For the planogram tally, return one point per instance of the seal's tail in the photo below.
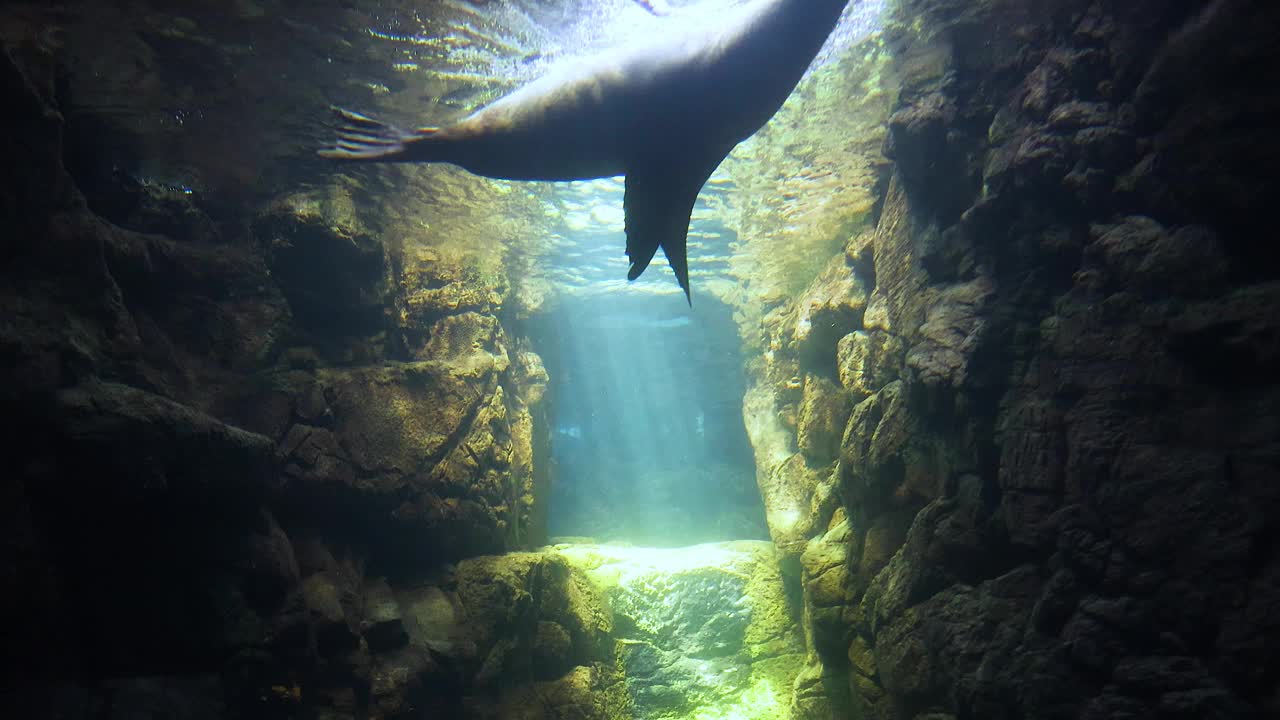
(361, 137)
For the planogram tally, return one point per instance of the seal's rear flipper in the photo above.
(658, 203)
(361, 137)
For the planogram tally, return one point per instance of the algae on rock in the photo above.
(705, 631)
(808, 180)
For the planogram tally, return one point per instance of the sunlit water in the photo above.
(467, 55)
(648, 443)
(481, 49)
(647, 438)
(586, 240)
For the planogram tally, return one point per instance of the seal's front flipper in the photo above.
(658, 203)
(361, 137)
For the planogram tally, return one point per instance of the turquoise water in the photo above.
(647, 441)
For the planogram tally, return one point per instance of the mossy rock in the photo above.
(703, 632)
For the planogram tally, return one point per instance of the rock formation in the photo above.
(1055, 488)
(242, 432)
(278, 438)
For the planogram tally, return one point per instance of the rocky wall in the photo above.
(1028, 425)
(248, 434)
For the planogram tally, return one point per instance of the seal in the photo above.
(664, 112)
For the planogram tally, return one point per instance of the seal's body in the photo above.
(663, 112)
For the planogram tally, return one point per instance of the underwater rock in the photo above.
(1190, 261)
(791, 390)
(951, 333)
(1204, 147)
(330, 267)
(402, 417)
(466, 340)
(272, 566)
(1105, 149)
(877, 314)
(831, 307)
(1121, 248)
(792, 491)
(1064, 317)
(209, 308)
(398, 682)
(191, 697)
(174, 318)
(877, 432)
(431, 446)
(1141, 254)
(531, 376)
(552, 650)
(867, 361)
(314, 456)
(158, 445)
(270, 403)
(787, 485)
(588, 692)
(826, 582)
(434, 621)
(820, 692)
(36, 180)
(1077, 114)
(505, 631)
(381, 622)
(507, 598)
(169, 506)
(444, 290)
(1229, 337)
(900, 282)
(704, 629)
(824, 409)
(879, 544)
(153, 310)
(921, 144)
(323, 594)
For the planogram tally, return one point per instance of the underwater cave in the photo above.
(970, 410)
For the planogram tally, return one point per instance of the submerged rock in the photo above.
(825, 573)
(831, 307)
(867, 361)
(703, 630)
(159, 445)
(588, 692)
(329, 265)
(824, 409)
